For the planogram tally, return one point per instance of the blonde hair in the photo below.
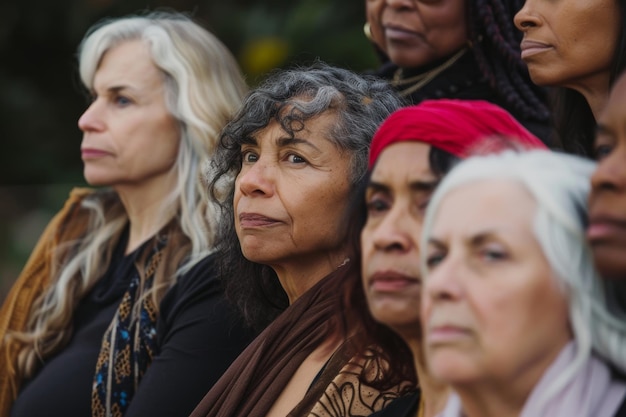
(203, 88)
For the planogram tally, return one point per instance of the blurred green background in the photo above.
(40, 97)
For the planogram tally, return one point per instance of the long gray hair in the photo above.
(560, 184)
(203, 88)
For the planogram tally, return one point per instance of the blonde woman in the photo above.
(119, 311)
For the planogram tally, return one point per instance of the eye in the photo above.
(122, 101)
(493, 255)
(601, 152)
(376, 205)
(296, 159)
(434, 259)
(249, 157)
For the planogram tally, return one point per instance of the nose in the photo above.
(610, 173)
(396, 231)
(91, 119)
(256, 179)
(526, 18)
(442, 283)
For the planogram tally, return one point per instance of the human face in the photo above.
(291, 198)
(492, 310)
(396, 197)
(414, 33)
(570, 43)
(607, 200)
(129, 136)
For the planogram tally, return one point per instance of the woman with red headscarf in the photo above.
(411, 151)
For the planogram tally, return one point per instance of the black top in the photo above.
(405, 406)
(199, 335)
(462, 80)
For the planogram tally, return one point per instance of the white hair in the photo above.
(560, 185)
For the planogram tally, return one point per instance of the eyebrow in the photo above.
(417, 185)
(603, 129)
(476, 239)
(296, 141)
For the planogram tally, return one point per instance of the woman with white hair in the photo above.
(119, 310)
(514, 313)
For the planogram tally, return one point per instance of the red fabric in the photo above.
(460, 127)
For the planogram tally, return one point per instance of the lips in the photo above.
(93, 153)
(530, 48)
(446, 334)
(398, 33)
(605, 227)
(391, 281)
(251, 220)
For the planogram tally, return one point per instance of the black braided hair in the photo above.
(495, 44)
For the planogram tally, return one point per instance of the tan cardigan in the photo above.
(67, 224)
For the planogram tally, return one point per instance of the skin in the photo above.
(494, 318)
(414, 33)
(607, 201)
(291, 199)
(130, 139)
(399, 189)
(571, 43)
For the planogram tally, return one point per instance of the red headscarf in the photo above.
(455, 126)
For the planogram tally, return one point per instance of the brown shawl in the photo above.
(254, 381)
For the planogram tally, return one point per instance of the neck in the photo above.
(596, 92)
(145, 208)
(298, 275)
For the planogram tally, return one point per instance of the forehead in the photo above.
(315, 128)
(410, 159)
(130, 61)
(485, 204)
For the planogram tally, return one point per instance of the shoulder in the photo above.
(199, 285)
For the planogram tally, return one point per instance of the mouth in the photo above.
(392, 281)
(399, 33)
(92, 153)
(530, 48)
(604, 227)
(253, 220)
(446, 334)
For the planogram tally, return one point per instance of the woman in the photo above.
(607, 200)
(120, 300)
(579, 47)
(298, 150)
(456, 49)
(513, 311)
(411, 152)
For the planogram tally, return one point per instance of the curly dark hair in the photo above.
(291, 98)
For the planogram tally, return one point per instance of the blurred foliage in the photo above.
(41, 98)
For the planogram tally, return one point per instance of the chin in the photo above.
(611, 266)
(451, 369)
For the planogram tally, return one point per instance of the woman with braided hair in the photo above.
(580, 49)
(457, 49)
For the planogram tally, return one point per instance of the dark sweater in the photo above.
(199, 335)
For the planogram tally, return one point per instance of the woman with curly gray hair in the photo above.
(292, 161)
